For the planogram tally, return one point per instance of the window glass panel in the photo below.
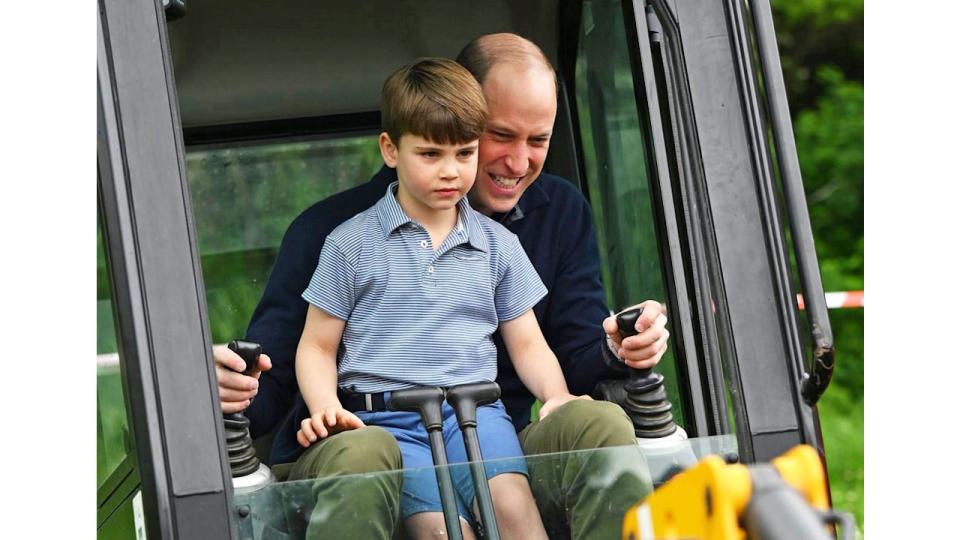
(282, 510)
(244, 198)
(112, 428)
(616, 169)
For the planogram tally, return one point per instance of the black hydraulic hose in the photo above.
(777, 511)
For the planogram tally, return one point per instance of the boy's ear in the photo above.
(388, 150)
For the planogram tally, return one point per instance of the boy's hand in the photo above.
(328, 421)
(646, 348)
(236, 389)
(555, 402)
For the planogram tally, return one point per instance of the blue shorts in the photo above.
(498, 444)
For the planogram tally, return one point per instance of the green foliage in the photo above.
(812, 34)
(821, 48)
(820, 12)
(830, 144)
(843, 441)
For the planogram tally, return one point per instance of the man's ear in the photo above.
(388, 150)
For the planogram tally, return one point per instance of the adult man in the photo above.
(554, 225)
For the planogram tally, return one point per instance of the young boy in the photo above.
(415, 287)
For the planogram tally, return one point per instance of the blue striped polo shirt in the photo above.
(416, 315)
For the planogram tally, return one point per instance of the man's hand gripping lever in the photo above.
(646, 401)
(246, 469)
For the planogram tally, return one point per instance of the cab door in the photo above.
(718, 164)
(169, 476)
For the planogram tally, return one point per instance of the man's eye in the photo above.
(539, 141)
(500, 136)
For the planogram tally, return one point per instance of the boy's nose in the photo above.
(449, 170)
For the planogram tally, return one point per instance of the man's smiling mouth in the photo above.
(505, 181)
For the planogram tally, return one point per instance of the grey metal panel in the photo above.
(332, 56)
(166, 357)
(675, 273)
(709, 308)
(796, 200)
(773, 444)
(733, 165)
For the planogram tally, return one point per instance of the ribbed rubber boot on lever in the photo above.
(647, 403)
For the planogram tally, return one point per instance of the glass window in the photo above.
(286, 509)
(615, 160)
(113, 437)
(244, 198)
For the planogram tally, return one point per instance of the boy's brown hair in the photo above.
(433, 98)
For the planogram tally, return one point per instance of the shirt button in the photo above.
(430, 269)
(423, 243)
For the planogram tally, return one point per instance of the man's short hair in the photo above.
(433, 98)
(480, 55)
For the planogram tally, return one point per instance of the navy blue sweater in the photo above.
(555, 228)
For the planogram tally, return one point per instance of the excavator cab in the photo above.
(219, 122)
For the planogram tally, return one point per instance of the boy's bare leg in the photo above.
(517, 513)
(431, 526)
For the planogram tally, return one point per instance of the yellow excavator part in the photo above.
(707, 500)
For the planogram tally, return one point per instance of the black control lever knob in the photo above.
(247, 350)
(646, 403)
(627, 324)
(240, 452)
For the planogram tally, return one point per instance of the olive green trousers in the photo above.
(581, 494)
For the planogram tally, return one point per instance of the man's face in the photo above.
(522, 105)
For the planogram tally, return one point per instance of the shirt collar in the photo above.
(534, 197)
(392, 216)
(471, 220)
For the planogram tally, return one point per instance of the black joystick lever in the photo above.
(427, 400)
(240, 451)
(464, 399)
(646, 403)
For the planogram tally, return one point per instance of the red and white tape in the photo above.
(839, 300)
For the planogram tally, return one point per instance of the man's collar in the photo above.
(534, 197)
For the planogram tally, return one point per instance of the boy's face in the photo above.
(433, 177)
(521, 105)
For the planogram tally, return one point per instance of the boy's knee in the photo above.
(595, 424)
(513, 503)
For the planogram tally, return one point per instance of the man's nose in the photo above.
(518, 159)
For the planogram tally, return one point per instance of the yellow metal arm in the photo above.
(714, 500)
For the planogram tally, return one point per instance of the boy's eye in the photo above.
(429, 153)
(467, 153)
